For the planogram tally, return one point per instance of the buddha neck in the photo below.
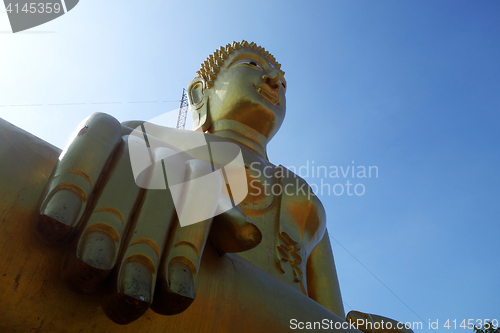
(234, 130)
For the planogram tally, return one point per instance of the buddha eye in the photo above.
(252, 63)
(249, 62)
(284, 87)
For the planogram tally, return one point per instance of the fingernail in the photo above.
(250, 234)
(98, 250)
(353, 316)
(180, 279)
(358, 318)
(136, 281)
(64, 207)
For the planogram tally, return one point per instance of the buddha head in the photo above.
(241, 83)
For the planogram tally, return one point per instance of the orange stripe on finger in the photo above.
(149, 242)
(83, 174)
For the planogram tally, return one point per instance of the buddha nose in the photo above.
(271, 81)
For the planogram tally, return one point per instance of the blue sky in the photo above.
(411, 87)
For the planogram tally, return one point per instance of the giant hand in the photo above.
(119, 232)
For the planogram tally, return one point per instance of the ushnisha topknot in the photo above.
(211, 66)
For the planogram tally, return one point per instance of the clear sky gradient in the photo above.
(411, 87)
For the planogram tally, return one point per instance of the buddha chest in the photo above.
(279, 203)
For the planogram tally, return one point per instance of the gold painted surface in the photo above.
(233, 294)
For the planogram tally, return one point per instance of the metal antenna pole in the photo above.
(183, 109)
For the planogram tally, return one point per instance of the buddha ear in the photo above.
(198, 103)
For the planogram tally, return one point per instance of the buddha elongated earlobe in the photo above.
(198, 103)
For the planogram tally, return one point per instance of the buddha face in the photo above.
(250, 90)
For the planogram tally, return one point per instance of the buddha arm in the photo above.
(322, 282)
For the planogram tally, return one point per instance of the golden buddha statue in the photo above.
(261, 263)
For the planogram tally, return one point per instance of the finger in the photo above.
(136, 278)
(133, 283)
(232, 231)
(98, 246)
(133, 287)
(175, 289)
(177, 279)
(80, 165)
